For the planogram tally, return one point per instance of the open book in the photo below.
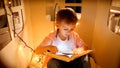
(67, 57)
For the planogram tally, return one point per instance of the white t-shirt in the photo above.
(67, 45)
(64, 46)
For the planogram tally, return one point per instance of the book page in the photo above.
(69, 54)
(66, 58)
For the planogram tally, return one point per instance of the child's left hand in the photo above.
(78, 50)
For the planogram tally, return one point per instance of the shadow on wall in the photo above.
(119, 61)
(2, 65)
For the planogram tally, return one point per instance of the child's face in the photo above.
(65, 29)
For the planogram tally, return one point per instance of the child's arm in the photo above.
(80, 45)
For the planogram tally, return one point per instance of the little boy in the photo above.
(64, 39)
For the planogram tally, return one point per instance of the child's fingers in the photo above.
(78, 50)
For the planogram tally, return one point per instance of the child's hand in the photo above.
(50, 48)
(78, 50)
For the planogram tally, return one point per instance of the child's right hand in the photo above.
(78, 50)
(43, 49)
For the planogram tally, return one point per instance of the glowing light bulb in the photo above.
(77, 24)
(9, 2)
(36, 58)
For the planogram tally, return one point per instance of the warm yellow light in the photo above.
(79, 16)
(117, 29)
(36, 61)
(115, 11)
(77, 24)
(21, 48)
(36, 58)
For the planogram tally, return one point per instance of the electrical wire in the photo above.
(24, 42)
(15, 33)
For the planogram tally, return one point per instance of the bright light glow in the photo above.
(77, 24)
(20, 47)
(115, 11)
(37, 61)
(117, 29)
(79, 16)
(9, 2)
(36, 58)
